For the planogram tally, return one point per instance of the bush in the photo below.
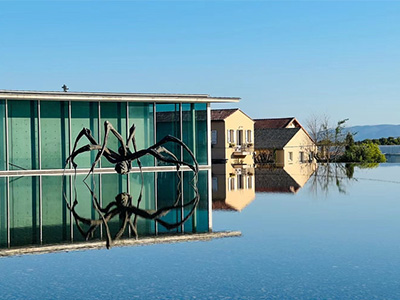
(365, 153)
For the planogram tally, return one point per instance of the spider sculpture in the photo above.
(123, 159)
(122, 206)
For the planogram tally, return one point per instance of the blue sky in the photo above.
(283, 58)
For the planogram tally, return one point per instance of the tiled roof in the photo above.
(275, 180)
(222, 114)
(221, 205)
(273, 138)
(272, 123)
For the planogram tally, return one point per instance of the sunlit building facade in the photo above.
(232, 139)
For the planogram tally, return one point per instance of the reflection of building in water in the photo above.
(37, 133)
(232, 155)
(282, 141)
(287, 179)
(233, 188)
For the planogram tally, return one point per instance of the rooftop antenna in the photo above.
(65, 88)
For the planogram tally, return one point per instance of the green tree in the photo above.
(363, 153)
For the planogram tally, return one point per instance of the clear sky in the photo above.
(283, 58)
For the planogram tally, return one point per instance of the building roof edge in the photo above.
(112, 97)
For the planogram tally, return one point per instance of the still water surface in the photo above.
(339, 242)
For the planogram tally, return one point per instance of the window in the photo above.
(231, 183)
(290, 156)
(310, 156)
(231, 136)
(240, 183)
(250, 182)
(239, 139)
(249, 136)
(215, 184)
(301, 156)
(214, 137)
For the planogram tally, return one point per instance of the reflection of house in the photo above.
(287, 179)
(232, 136)
(282, 141)
(233, 188)
(232, 139)
(37, 134)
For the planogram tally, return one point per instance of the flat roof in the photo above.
(113, 97)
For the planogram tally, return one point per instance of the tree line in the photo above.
(382, 141)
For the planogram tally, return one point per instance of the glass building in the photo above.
(38, 131)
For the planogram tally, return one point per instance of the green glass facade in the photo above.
(142, 116)
(24, 210)
(84, 115)
(23, 131)
(36, 137)
(2, 135)
(3, 211)
(54, 134)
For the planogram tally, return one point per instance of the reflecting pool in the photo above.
(336, 237)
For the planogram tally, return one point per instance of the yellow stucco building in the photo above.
(232, 142)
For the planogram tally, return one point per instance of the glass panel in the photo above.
(3, 212)
(144, 227)
(167, 119)
(56, 216)
(115, 113)
(24, 210)
(201, 133)
(85, 206)
(54, 134)
(84, 115)
(189, 130)
(167, 183)
(2, 135)
(202, 208)
(111, 186)
(195, 131)
(198, 222)
(141, 115)
(23, 135)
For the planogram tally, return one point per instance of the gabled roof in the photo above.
(222, 114)
(221, 205)
(275, 123)
(273, 138)
(275, 180)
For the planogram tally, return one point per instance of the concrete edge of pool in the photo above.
(79, 246)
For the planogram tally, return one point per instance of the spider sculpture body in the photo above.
(122, 206)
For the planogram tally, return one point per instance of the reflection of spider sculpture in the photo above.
(122, 205)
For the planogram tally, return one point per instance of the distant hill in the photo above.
(374, 131)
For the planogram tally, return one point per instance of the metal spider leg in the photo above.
(123, 227)
(132, 139)
(133, 228)
(170, 138)
(111, 155)
(107, 129)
